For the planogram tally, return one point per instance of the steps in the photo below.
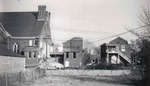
(125, 57)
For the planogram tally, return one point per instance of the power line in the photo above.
(112, 36)
(120, 33)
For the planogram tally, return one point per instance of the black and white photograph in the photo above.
(74, 42)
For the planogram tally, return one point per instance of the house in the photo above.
(73, 52)
(9, 61)
(57, 57)
(27, 34)
(116, 51)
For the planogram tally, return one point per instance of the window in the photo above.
(37, 41)
(67, 54)
(15, 48)
(30, 42)
(34, 54)
(123, 48)
(30, 55)
(74, 55)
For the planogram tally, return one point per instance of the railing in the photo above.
(112, 50)
(124, 56)
(115, 49)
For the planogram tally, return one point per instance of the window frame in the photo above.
(30, 54)
(74, 55)
(123, 48)
(67, 54)
(30, 42)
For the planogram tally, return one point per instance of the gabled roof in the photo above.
(118, 40)
(76, 38)
(21, 24)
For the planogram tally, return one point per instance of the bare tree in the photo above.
(145, 16)
(144, 36)
(86, 57)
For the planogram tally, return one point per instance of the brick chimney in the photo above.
(42, 13)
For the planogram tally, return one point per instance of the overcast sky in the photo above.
(90, 19)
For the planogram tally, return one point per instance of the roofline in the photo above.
(23, 12)
(120, 38)
(27, 37)
(18, 11)
(23, 37)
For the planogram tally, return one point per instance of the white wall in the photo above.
(11, 64)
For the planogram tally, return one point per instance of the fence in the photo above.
(90, 72)
(11, 79)
(11, 64)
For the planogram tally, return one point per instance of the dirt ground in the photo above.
(73, 78)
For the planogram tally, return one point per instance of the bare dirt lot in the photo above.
(82, 78)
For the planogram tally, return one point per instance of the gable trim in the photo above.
(4, 31)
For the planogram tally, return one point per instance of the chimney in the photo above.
(42, 12)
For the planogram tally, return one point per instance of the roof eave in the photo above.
(13, 37)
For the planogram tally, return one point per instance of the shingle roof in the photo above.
(21, 24)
